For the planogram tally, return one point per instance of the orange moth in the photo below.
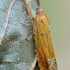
(44, 49)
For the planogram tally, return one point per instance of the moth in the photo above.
(44, 49)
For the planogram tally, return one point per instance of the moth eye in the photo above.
(37, 10)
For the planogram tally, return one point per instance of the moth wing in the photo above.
(47, 40)
(38, 43)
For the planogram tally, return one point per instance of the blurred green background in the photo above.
(58, 13)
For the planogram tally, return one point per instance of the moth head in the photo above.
(41, 12)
